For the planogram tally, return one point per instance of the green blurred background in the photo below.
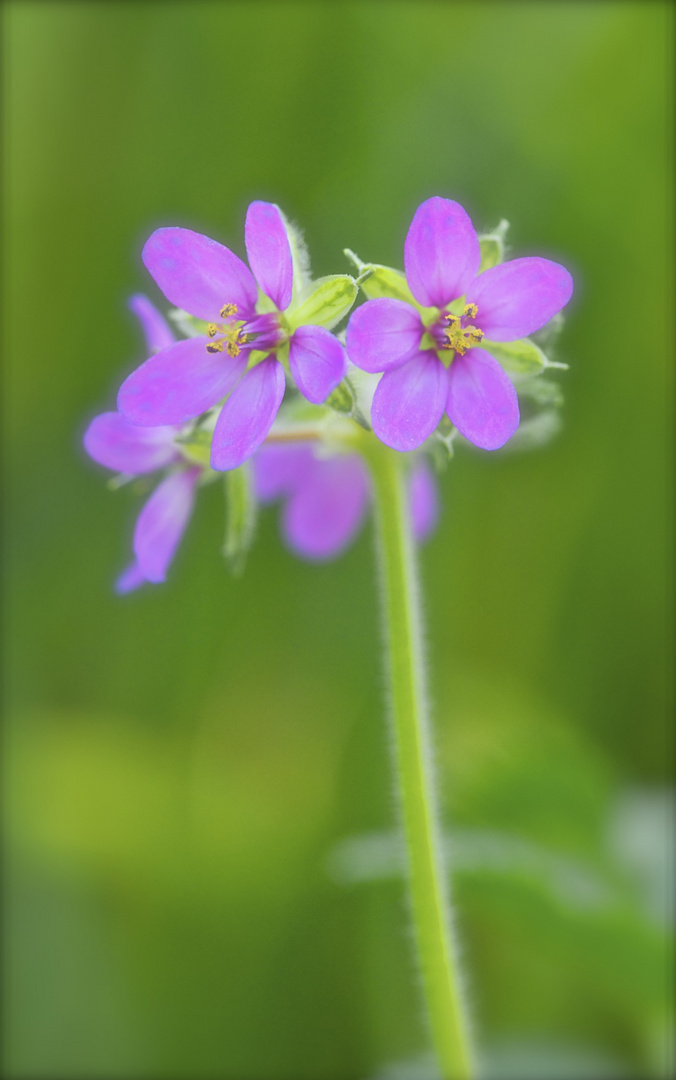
(199, 798)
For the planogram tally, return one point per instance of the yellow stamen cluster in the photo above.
(460, 338)
(232, 339)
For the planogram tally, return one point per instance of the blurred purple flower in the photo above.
(326, 499)
(434, 366)
(211, 283)
(159, 529)
(111, 440)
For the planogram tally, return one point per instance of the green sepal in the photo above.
(543, 391)
(342, 399)
(377, 281)
(362, 386)
(264, 305)
(536, 431)
(188, 324)
(119, 480)
(283, 355)
(324, 302)
(196, 446)
(300, 257)
(345, 400)
(547, 334)
(440, 443)
(256, 356)
(240, 517)
(522, 357)
(386, 281)
(493, 246)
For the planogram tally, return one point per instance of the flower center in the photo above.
(460, 335)
(232, 334)
(263, 332)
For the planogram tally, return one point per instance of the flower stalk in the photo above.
(401, 614)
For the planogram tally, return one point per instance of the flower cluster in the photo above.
(434, 354)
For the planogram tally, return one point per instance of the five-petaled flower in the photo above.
(133, 450)
(326, 498)
(436, 359)
(212, 284)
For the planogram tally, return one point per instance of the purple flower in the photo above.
(127, 448)
(429, 354)
(326, 499)
(212, 284)
(112, 441)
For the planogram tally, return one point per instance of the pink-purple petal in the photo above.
(517, 297)
(269, 252)
(325, 513)
(162, 522)
(130, 579)
(409, 402)
(156, 329)
(179, 383)
(280, 468)
(317, 362)
(198, 274)
(423, 499)
(248, 415)
(441, 253)
(482, 401)
(111, 440)
(382, 334)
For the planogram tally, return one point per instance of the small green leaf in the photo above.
(522, 357)
(324, 302)
(240, 519)
(493, 246)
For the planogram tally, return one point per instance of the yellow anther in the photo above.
(228, 310)
(232, 348)
(215, 346)
(471, 310)
(459, 339)
(212, 329)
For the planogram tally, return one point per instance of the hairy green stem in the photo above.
(402, 624)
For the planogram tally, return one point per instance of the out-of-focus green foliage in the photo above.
(188, 766)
